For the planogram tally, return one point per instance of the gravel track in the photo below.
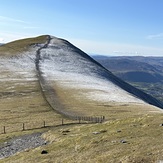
(21, 143)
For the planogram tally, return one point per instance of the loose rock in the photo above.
(21, 143)
(123, 141)
(44, 152)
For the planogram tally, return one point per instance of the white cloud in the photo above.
(8, 19)
(156, 36)
(31, 27)
(126, 53)
(1, 40)
(11, 36)
(96, 47)
(109, 48)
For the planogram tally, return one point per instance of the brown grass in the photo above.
(142, 134)
(24, 103)
(138, 125)
(77, 103)
(19, 46)
(130, 122)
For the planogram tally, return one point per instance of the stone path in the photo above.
(21, 143)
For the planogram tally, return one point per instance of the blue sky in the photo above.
(110, 27)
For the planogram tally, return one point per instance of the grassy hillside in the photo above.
(20, 46)
(136, 139)
(131, 132)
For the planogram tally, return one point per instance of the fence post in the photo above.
(79, 120)
(44, 124)
(23, 127)
(62, 121)
(4, 129)
(103, 118)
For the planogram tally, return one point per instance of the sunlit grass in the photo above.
(135, 139)
(24, 103)
(19, 46)
(75, 101)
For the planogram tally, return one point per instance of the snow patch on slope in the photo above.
(61, 64)
(19, 68)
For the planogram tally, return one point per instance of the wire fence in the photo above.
(45, 124)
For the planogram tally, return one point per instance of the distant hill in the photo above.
(140, 70)
(132, 69)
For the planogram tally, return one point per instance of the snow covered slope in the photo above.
(61, 63)
(64, 65)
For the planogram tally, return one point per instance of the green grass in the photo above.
(19, 46)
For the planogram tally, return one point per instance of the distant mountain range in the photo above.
(145, 73)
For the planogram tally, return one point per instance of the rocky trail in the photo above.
(21, 143)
